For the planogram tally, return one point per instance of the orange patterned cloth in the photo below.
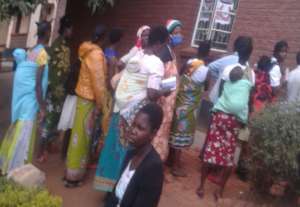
(92, 81)
(161, 140)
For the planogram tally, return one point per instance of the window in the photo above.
(214, 22)
(21, 24)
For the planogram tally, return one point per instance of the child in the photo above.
(188, 99)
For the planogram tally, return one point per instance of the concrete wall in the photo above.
(267, 22)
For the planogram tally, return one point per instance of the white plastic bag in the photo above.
(214, 93)
(68, 113)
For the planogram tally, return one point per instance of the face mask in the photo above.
(176, 40)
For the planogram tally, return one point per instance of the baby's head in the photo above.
(236, 74)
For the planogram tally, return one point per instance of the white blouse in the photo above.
(124, 182)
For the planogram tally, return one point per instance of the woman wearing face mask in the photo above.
(139, 84)
(168, 57)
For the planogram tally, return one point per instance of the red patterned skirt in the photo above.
(221, 140)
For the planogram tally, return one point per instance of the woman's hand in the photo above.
(166, 93)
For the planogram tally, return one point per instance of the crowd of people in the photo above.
(135, 113)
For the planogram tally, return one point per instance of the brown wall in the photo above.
(131, 14)
(267, 21)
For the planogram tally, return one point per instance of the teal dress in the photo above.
(111, 157)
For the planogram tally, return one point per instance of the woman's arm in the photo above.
(39, 91)
(154, 95)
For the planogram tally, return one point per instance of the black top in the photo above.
(145, 186)
(165, 54)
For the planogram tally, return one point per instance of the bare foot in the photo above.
(200, 192)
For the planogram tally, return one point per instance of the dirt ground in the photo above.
(179, 192)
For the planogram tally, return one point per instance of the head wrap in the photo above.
(42, 28)
(172, 24)
(19, 55)
(139, 35)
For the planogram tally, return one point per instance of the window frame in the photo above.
(211, 27)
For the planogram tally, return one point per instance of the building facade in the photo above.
(221, 21)
(21, 31)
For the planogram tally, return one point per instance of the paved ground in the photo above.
(177, 192)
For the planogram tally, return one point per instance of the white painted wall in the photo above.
(58, 12)
(61, 10)
(3, 32)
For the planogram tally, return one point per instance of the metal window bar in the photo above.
(214, 31)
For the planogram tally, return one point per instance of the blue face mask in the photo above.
(176, 40)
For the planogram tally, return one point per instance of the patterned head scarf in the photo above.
(139, 35)
(172, 24)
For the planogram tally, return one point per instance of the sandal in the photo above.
(72, 184)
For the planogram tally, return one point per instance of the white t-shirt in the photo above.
(124, 182)
(275, 73)
(293, 87)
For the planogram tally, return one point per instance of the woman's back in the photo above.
(235, 98)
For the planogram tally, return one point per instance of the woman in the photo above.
(142, 175)
(230, 113)
(142, 40)
(92, 100)
(187, 101)
(29, 90)
(59, 70)
(139, 84)
(167, 55)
